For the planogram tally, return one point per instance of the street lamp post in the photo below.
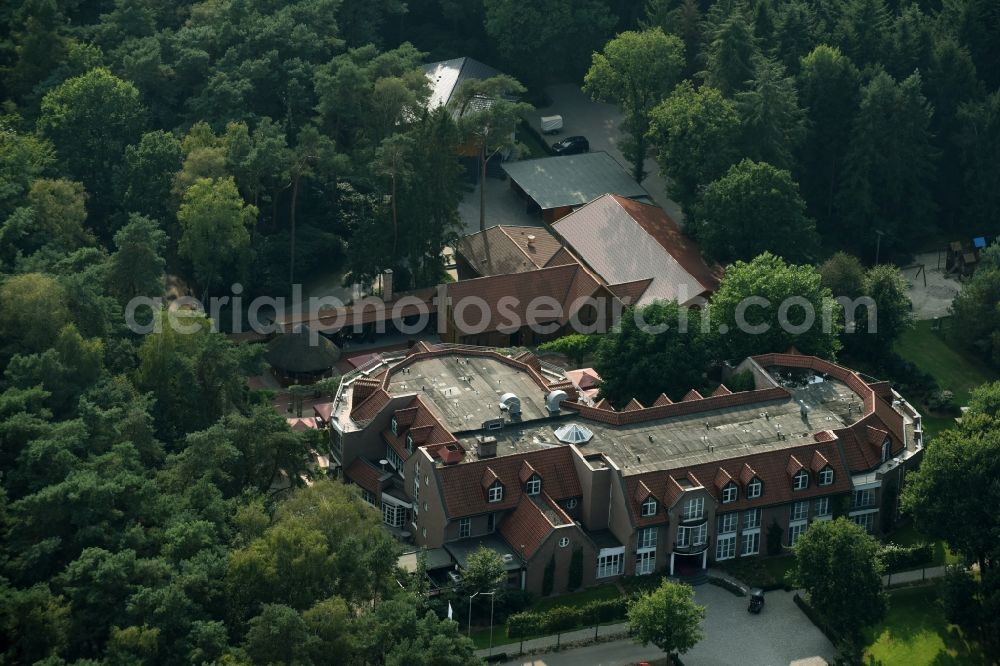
(492, 599)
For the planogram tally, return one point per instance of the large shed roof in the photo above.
(572, 180)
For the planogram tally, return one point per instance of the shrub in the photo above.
(942, 402)
(549, 577)
(741, 381)
(900, 558)
(774, 534)
(520, 625)
(605, 610)
(727, 584)
(576, 569)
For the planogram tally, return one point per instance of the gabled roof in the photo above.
(819, 462)
(631, 243)
(365, 474)
(447, 75)
(572, 180)
(505, 249)
(461, 485)
(529, 526)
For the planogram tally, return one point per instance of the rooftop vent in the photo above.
(553, 399)
(510, 403)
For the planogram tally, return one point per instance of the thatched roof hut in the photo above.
(296, 353)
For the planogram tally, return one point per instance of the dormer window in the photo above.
(730, 493)
(495, 492)
(801, 480)
(534, 485)
(886, 449)
(394, 424)
(754, 489)
(826, 476)
(409, 443)
(648, 507)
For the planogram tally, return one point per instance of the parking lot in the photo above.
(780, 635)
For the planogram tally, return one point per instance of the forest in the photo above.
(146, 143)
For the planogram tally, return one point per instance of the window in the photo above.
(754, 489)
(800, 511)
(886, 449)
(866, 520)
(692, 536)
(647, 538)
(751, 543)
(610, 565)
(491, 522)
(823, 506)
(694, 509)
(367, 496)
(394, 459)
(393, 515)
(727, 522)
(794, 532)
(649, 507)
(826, 476)
(751, 519)
(534, 485)
(495, 493)
(563, 542)
(730, 493)
(571, 503)
(464, 527)
(801, 480)
(394, 424)
(864, 498)
(645, 562)
(409, 443)
(416, 487)
(725, 548)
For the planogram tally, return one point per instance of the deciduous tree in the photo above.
(636, 70)
(668, 618)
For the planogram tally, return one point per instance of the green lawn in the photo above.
(952, 367)
(915, 632)
(759, 571)
(907, 536)
(530, 141)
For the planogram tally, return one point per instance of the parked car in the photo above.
(756, 601)
(571, 145)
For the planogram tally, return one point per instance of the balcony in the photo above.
(690, 549)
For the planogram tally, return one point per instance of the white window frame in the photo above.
(886, 449)
(409, 443)
(394, 426)
(368, 496)
(694, 509)
(868, 493)
(393, 459)
(416, 488)
(822, 507)
(756, 519)
(795, 531)
(800, 481)
(728, 522)
(647, 538)
(571, 503)
(393, 515)
(611, 564)
(725, 547)
(563, 542)
(799, 511)
(685, 538)
(755, 488)
(649, 506)
(534, 485)
(751, 543)
(826, 476)
(645, 562)
(464, 528)
(730, 493)
(495, 492)
(866, 520)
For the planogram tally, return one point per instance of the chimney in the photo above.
(486, 447)
(387, 285)
(531, 240)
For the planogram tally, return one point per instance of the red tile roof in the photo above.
(819, 461)
(526, 526)
(503, 249)
(365, 474)
(793, 466)
(462, 490)
(692, 395)
(663, 400)
(721, 389)
(368, 408)
(632, 406)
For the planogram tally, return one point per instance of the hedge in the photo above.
(599, 611)
(727, 584)
(815, 618)
(900, 558)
